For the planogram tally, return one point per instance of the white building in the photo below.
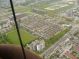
(37, 45)
(40, 46)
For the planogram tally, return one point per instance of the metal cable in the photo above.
(17, 28)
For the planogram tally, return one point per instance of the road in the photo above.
(46, 54)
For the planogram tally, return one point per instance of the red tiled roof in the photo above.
(70, 55)
(77, 48)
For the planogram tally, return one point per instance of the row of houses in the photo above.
(69, 48)
(5, 25)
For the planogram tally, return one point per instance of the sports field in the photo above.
(57, 6)
(26, 37)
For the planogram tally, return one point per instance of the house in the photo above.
(5, 25)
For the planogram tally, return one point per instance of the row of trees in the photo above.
(3, 38)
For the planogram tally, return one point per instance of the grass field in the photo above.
(26, 37)
(56, 37)
(58, 8)
(41, 5)
(58, 5)
(22, 9)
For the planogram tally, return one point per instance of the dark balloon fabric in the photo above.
(15, 52)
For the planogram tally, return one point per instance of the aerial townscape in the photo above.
(48, 28)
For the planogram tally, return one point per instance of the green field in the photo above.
(26, 37)
(22, 9)
(56, 6)
(55, 9)
(41, 5)
(56, 37)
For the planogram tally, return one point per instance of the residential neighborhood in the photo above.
(48, 28)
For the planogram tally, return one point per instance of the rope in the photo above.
(17, 28)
